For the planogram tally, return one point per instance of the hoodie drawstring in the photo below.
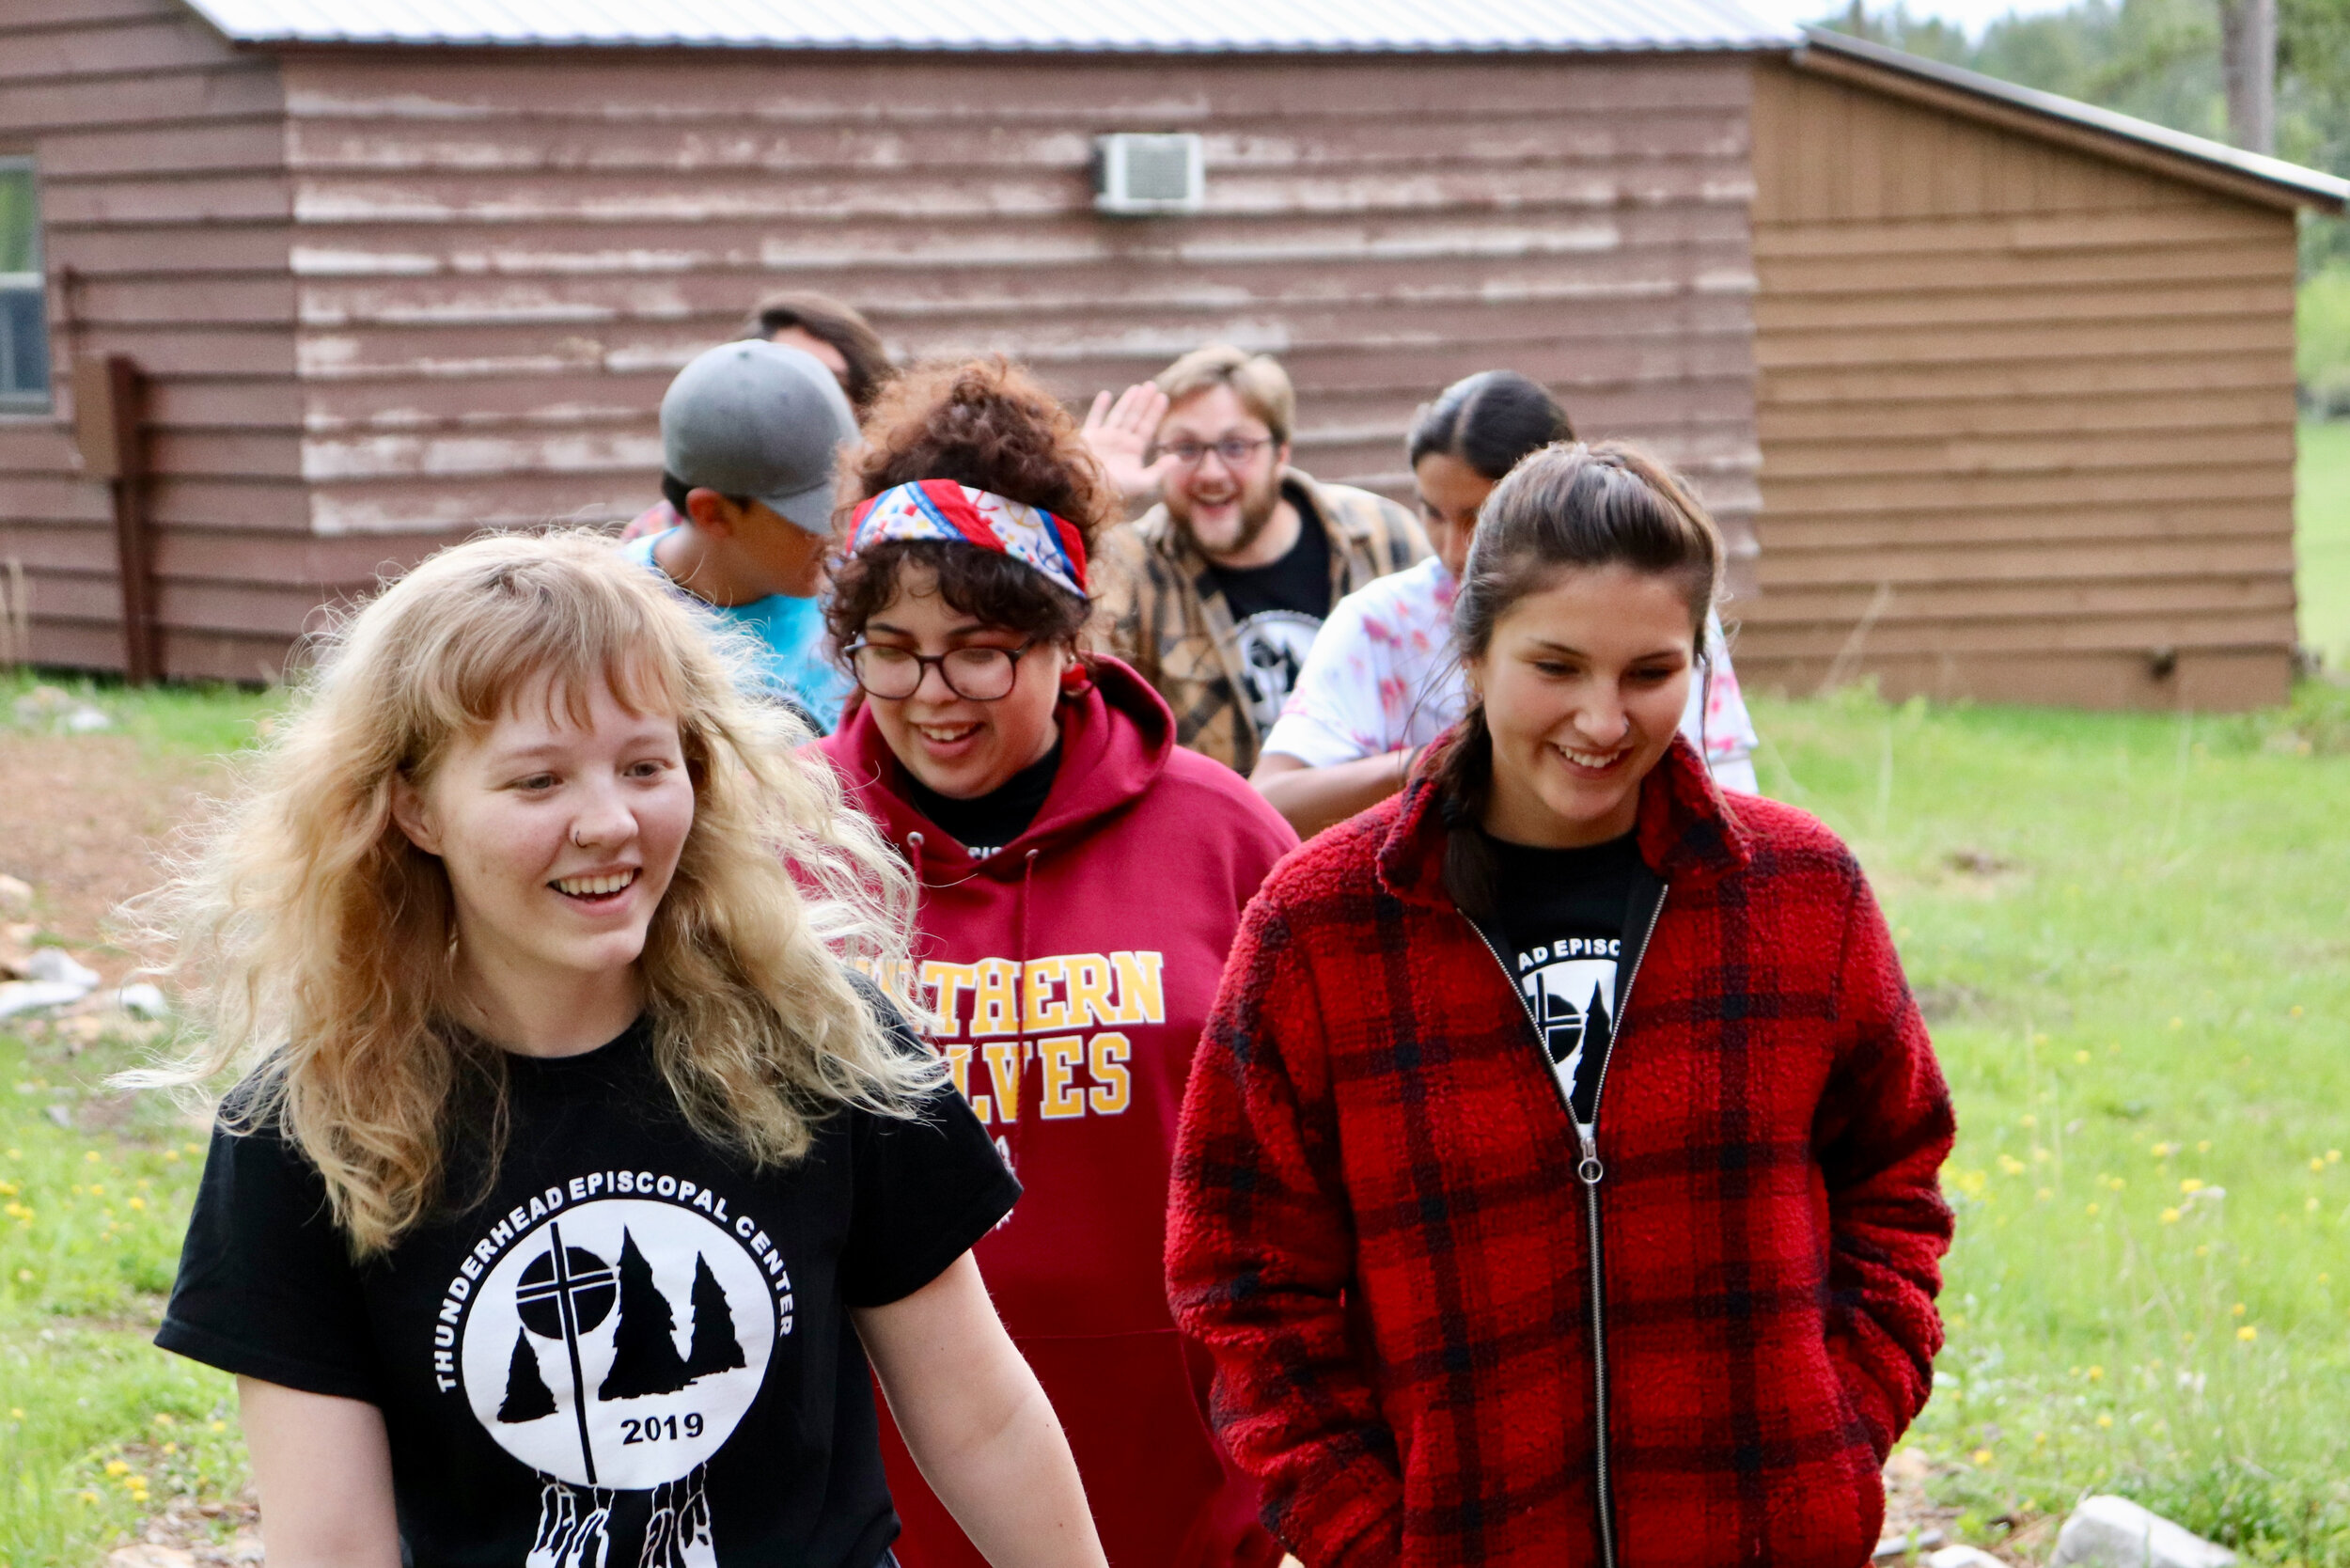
(1020, 999)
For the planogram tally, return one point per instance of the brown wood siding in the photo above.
(2027, 413)
(503, 257)
(166, 212)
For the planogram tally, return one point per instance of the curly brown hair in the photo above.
(989, 424)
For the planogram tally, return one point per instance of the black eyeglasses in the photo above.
(975, 674)
(1235, 449)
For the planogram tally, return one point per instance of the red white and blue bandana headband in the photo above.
(942, 509)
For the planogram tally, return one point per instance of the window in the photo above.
(23, 314)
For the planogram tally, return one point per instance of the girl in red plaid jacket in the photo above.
(1557, 1178)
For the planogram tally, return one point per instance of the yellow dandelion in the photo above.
(2248, 1333)
(2170, 1216)
(16, 1412)
(2178, 1023)
(2203, 1147)
(2045, 1194)
(2082, 1057)
(139, 1203)
(171, 1447)
(2322, 1278)
(89, 1496)
(98, 1189)
(89, 1156)
(1981, 1456)
(2010, 1166)
(2191, 1184)
(2202, 1249)
(2309, 1204)
(2294, 1011)
(2236, 1310)
(16, 1153)
(2317, 1162)
(164, 1418)
(2027, 1119)
(2095, 1375)
(2040, 1439)
(171, 1156)
(2105, 1420)
(117, 1467)
(2163, 1150)
(2091, 1211)
(2333, 1156)
(220, 1426)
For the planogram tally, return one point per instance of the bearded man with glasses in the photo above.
(1216, 594)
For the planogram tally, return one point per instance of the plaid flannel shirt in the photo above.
(1378, 1232)
(1164, 613)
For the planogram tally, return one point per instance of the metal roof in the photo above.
(1137, 27)
(2309, 183)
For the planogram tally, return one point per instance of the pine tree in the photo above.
(715, 1349)
(643, 1345)
(528, 1396)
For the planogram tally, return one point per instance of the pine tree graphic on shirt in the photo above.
(1569, 1000)
(528, 1396)
(715, 1349)
(645, 1358)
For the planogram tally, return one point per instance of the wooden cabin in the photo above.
(1993, 393)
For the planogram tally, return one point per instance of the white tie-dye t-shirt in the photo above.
(1380, 679)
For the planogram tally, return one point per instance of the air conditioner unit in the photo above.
(1135, 174)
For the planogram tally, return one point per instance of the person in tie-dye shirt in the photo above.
(1381, 682)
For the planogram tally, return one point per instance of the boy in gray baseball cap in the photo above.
(750, 436)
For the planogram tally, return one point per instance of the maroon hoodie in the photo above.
(1118, 906)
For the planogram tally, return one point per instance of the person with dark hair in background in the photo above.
(1379, 686)
(1080, 878)
(1558, 1176)
(1216, 592)
(751, 435)
(835, 334)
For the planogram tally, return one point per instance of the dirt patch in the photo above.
(85, 816)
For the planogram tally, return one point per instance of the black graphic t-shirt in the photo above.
(1276, 609)
(637, 1351)
(987, 823)
(1561, 914)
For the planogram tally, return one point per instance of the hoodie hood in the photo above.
(1115, 743)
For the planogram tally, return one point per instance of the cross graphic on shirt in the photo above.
(565, 1288)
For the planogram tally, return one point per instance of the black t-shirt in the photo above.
(1276, 608)
(700, 1302)
(987, 823)
(1561, 914)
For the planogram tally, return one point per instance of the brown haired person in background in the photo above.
(833, 334)
(1215, 594)
(1037, 792)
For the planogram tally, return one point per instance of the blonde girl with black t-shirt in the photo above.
(573, 1177)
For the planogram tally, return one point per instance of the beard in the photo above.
(1259, 500)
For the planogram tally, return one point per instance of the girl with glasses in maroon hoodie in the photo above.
(1080, 881)
(1557, 1175)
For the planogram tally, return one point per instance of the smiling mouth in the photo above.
(946, 734)
(1597, 762)
(594, 888)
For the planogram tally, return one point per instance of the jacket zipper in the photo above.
(1590, 1171)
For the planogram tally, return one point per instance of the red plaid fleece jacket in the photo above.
(1378, 1232)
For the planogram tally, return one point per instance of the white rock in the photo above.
(86, 720)
(31, 995)
(1897, 1546)
(148, 1555)
(1963, 1557)
(57, 967)
(16, 894)
(2115, 1532)
(142, 1002)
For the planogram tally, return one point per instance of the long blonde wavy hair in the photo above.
(319, 943)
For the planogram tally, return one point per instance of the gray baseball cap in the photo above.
(761, 422)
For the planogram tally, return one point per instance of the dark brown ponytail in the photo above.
(1564, 507)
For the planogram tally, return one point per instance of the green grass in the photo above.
(2322, 538)
(2132, 936)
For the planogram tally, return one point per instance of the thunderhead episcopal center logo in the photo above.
(617, 1345)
